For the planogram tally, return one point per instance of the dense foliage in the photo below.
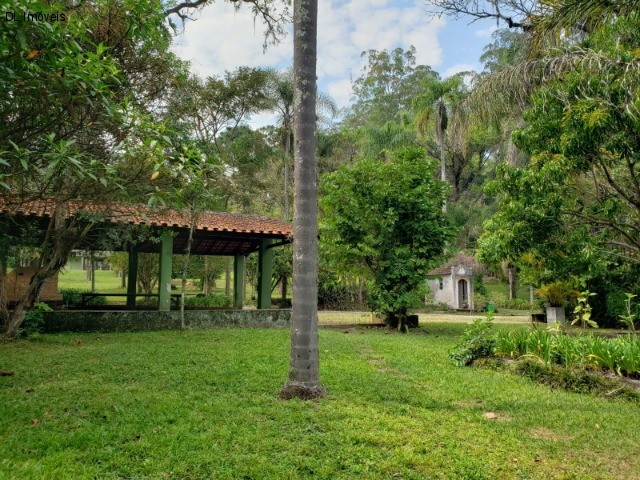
(574, 209)
(387, 218)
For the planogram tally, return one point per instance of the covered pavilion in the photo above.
(214, 233)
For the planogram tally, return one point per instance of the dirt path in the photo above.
(326, 317)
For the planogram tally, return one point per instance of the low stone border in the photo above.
(144, 321)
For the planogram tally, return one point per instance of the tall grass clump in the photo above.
(619, 355)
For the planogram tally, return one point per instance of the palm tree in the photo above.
(436, 103)
(507, 93)
(282, 97)
(281, 93)
(304, 380)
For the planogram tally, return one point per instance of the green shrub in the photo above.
(500, 300)
(34, 319)
(437, 307)
(477, 342)
(72, 297)
(215, 300)
(622, 307)
(557, 294)
(278, 302)
(478, 284)
(479, 302)
(336, 295)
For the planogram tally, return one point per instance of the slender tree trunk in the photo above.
(360, 291)
(89, 265)
(531, 299)
(283, 289)
(227, 279)
(123, 279)
(304, 381)
(443, 167)
(512, 283)
(4, 311)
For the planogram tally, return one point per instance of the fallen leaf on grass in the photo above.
(30, 390)
(77, 341)
(490, 415)
(597, 426)
(6, 373)
(35, 422)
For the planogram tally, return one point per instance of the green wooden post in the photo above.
(132, 279)
(265, 269)
(238, 274)
(164, 281)
(4, 254)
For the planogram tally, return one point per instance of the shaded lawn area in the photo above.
(203, 404)
(107, 281)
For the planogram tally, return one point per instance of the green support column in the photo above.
(164, 281)
(238, 274)
(265, 269)
(3, 261)
(132, 279)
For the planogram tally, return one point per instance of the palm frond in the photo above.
(508, 92)
(559, 17)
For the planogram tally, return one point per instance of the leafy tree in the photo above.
(573, 209)
(246, 156)
(379, 141)
(388, 84)
(208, 107)
(509, 47)
(387, 217)
(282, 97)
(79, 124)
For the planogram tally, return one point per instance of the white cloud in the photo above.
(340, 91)
(485, 32)
(221, 39)
(460, 67)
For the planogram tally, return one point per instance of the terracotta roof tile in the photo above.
(143, 215)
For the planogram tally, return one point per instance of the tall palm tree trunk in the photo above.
(304, 381)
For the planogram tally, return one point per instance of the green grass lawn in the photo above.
(495, 286)
(107, 281)
(203, 404)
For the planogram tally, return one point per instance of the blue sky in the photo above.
(221, 39)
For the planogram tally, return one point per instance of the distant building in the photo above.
(452, 285)
(17, 282)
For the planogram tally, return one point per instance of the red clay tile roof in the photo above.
(165, 217)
